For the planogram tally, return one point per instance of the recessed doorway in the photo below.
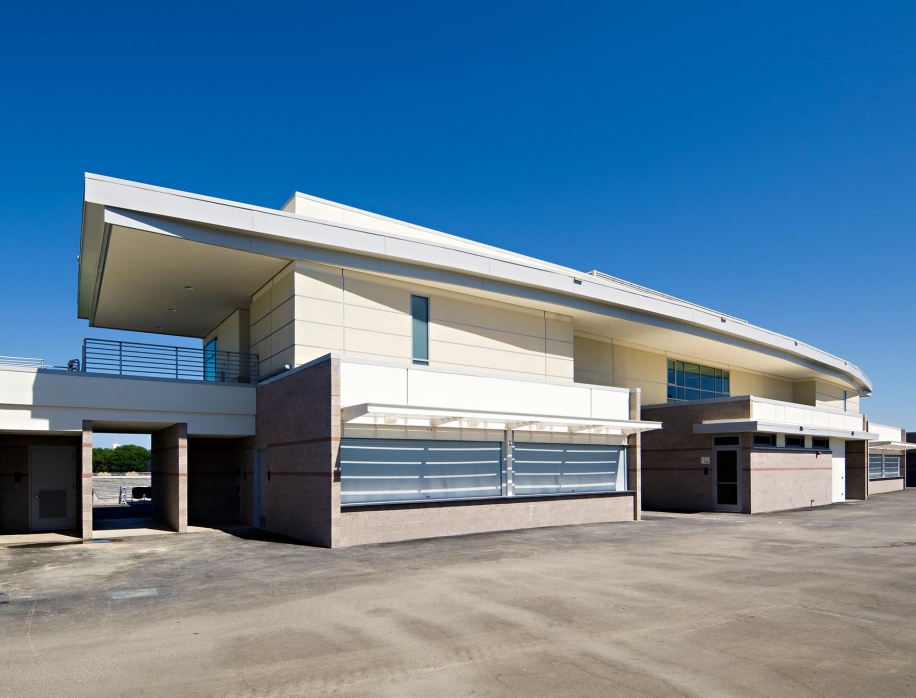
(727, 479)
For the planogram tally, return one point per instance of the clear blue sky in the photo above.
(760, 160)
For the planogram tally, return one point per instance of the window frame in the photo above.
(824, 439)
(688, 382)
(771, 440)
(883, 466)
(795, 437)
(415, 323)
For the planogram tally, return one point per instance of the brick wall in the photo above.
(782, 479)
(384, 524)
(169, 476)
(672, 470)
(298, 424)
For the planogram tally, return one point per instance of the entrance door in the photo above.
(52, 481)
(260, 488)
(727, 490)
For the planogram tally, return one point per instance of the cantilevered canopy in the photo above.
(737, 426)
(882, 446)
(433, 417)
(165, 284)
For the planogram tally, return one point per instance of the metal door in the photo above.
(52, 482)
(728, 478)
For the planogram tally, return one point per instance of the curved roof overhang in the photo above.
(110, 204)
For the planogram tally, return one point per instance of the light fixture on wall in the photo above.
(188, 288)
(173, 310)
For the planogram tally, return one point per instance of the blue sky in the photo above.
(756, 158)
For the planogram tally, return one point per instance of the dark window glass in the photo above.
(419, 309)
(818, 442)
(695, 382)
(725, 441)
(707, 379)
(764, 439)
(795, 442)
(727, 477)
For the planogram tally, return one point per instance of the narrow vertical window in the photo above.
(419, 310)
(844, 401)
(210, 360)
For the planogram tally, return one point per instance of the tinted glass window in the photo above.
(688, 381)
(419, 309)
(764, 440)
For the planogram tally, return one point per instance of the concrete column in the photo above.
(634, 457)
(84, 493)
(856, 470)
(169, 477)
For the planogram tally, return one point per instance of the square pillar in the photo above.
(84, 492)
(856, 470)
(169, 477)
(634, 457)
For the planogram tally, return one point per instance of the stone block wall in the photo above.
(388, 523)
(169, 476)
(785, 479)
(298, 425)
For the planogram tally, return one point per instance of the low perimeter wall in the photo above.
(386, 524)
(880, 486)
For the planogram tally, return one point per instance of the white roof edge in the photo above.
(730, 426)
(746, 331)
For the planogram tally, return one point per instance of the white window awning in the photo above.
(882, 446)
(404, 415)
(732, 426)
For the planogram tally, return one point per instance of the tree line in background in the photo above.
(122, 459)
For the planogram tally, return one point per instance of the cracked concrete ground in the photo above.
(806, 603)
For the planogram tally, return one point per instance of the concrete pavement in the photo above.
(807, 603)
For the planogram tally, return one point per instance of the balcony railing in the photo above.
(158, 361)
(22, 361)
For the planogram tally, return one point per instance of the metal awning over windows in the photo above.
(891, 446)
(737, 426)
(404, 415)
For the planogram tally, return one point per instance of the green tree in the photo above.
(122, 459)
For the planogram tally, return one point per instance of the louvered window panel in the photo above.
(568, 468)
(881, 466)
(376, 471)
(875, 466)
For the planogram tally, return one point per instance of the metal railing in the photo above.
(159, 361)
(21, 361)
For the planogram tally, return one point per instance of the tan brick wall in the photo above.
(406, 522)
(84, 491)
(881, 486)
(169, 476)
(781, 479)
